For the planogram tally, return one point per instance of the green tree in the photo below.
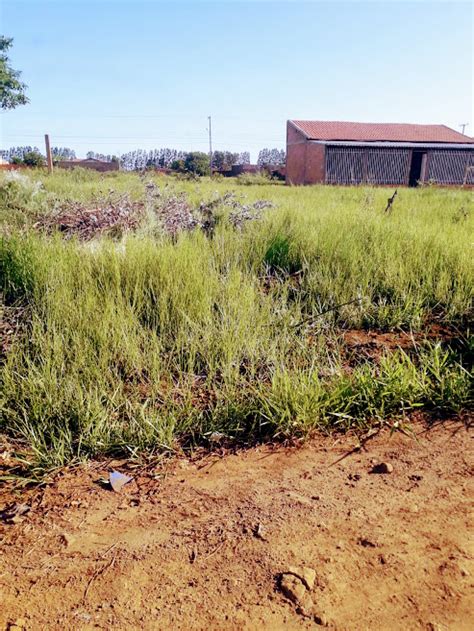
(197, 162)
(33, 159)
(12, 90)
(177, 165)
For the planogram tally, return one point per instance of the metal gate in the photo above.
(450, 167)
(363, 165)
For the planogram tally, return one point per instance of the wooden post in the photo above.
(49, 157)
(210, 146)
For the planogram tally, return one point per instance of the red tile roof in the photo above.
(390, 132)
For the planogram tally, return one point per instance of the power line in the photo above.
(164, 116)
(252, 137)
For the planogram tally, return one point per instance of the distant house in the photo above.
(89, 163)
(274, 170)
(240, 169)
(322, 152)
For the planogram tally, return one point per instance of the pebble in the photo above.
(306, 574)
(382, 467)
(354, 476)
(67, 539)
(305, 609)
(293, 588)
(321, 620)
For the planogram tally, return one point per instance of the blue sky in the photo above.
(115, 75)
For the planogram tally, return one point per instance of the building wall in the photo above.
(12, 167)
(295, 155)
(315, 167)
(238, 169)
(89, 164)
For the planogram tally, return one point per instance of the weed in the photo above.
(162, 336)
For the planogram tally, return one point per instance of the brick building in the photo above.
(322, 152)
(89, 163)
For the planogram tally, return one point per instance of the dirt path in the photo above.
(202, 545)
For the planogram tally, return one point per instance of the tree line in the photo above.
(141, 159)
(167, 158)
(32, 156)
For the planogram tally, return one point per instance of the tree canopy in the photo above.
(274, 157)
(12, 90)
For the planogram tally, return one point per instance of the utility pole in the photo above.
(463, 125)
(49, 157)
(210, 144)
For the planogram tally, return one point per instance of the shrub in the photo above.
(197, 162)
(33, 159)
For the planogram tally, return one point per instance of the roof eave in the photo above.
(297, 127)
(394, 143)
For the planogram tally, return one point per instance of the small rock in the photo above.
(67, 539)
(367, 543)
(14, 514)
(321, 620)
(382, 467)
(217, 437)
(293, 588)
(301, 499)
(18, 625)
(259, 532)
(306, 574)
(305, 608)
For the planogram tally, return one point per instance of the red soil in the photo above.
(201, 544)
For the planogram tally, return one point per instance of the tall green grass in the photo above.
(151, 343)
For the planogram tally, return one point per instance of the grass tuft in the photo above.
(150, 341)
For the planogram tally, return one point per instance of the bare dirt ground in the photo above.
(202, 544)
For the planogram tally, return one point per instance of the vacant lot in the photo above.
(145, 314)
(146, 317)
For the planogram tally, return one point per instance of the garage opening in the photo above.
(417, 168)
